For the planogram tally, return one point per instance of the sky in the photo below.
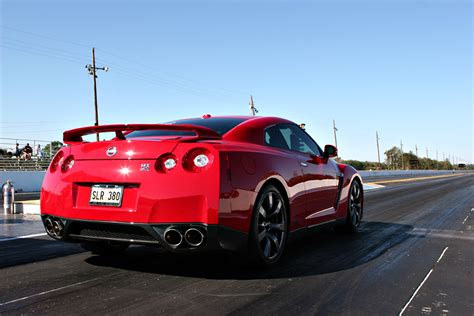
(402, 68)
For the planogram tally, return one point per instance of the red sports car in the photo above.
(231, 183)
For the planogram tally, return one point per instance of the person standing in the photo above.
(39, 152)
(17, 151)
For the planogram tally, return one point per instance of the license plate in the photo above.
(107, 195)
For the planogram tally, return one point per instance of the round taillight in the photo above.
(201, 161)
(198, 160)
(166, 162)
(67, 164)
(169, 163)
(57, 161)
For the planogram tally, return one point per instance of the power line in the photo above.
(42, 54)
(66, 55)
(43, 47)
(179, 76)
(43, 36)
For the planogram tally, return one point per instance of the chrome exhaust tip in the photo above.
(194, 237)
(173, 237)
(57, 228)
(48, 224)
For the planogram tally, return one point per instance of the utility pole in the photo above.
(427, 152)
(437, 162)
(335, 130)
(416, 150)
(253, 109)
(92, 71)
(378, 149)
(401, 149)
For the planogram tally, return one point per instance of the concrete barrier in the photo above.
(30, 181)
(389, 173)
(24, 181)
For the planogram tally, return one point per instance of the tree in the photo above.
(56, 146)
(393, 157)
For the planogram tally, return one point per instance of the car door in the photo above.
(320, 175)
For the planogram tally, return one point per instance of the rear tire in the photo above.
(105, 248)
(269, 228)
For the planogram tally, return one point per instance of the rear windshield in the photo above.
(220, 125)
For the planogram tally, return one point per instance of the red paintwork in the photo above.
(223, 194)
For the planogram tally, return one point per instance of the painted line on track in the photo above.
(47, 292)
(422, 282)
(464, 221)
(23, 237)
(372, 186)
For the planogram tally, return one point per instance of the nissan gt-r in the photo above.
(234, 183)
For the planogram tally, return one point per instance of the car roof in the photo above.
(250, 130)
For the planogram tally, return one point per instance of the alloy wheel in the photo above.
(271, 225)
(355, 204)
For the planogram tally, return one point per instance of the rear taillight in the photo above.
(166, 162)
(57, 161)
(67, 164)
(198, 160)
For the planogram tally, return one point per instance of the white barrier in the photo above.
(24, 181)
(393, 173)
(30, 181)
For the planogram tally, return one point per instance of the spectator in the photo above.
(39, 152)
(17, 150)
(27, 151)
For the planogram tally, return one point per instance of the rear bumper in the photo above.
(216, 237)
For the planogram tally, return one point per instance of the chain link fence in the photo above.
(13, 157)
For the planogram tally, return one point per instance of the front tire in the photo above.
(269, 227)
(354, 208)
(105, 248)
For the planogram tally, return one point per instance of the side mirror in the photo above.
(330, 151)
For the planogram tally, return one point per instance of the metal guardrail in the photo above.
(12, 164)
(8, 146)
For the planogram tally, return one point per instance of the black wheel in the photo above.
(269, 228)
(105, 248)
(354, 208)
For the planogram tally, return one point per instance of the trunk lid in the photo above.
(122, 149)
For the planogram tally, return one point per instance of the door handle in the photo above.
(304, 164)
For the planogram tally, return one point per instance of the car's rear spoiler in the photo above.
(74, 136)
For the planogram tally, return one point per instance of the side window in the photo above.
(290, 137)
(274, 138)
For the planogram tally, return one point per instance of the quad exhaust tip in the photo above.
(54, 227)
(173, 237)
(48, 224)
(194, 237)
(57, 228)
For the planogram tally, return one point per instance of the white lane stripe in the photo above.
(442, 255)
(421, 284)
(47, 292)
(464, 221)
(416, 291)
(23, 237)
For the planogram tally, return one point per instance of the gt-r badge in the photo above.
(111, 151)
(145, 167)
